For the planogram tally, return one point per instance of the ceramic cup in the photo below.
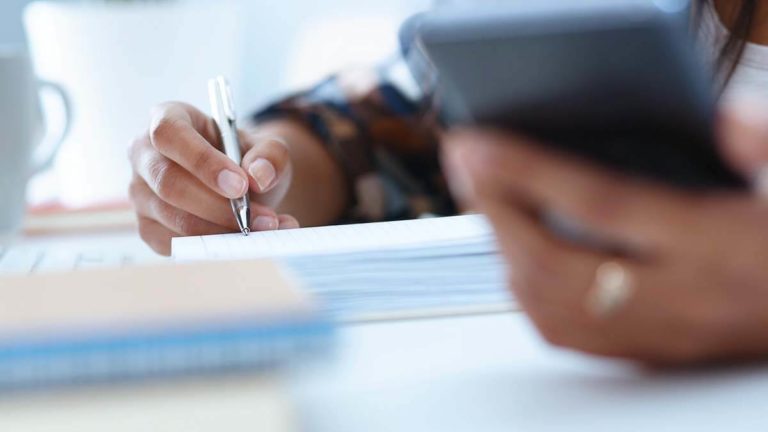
(24, 149)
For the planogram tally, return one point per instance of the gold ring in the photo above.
(611, 291)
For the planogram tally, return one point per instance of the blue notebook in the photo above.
(154, 321)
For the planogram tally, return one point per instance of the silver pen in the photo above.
(223, 111)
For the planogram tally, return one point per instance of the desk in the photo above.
(481, 373)
(493, 373)
(484, 373)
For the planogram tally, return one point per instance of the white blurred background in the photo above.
(117, 58)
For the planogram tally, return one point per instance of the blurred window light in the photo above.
(334, 43)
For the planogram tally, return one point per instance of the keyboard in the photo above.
(75, 254)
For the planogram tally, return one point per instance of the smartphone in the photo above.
(618, 82)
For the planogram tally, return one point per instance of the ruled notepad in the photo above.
(336, 239)
(362, 272)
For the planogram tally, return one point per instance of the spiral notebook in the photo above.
(153, 320)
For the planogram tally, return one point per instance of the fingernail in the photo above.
(288, 225)
(263, 172)
(265, 223)
(232, 184)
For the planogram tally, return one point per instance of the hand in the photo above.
(698, 261)
(182, 182)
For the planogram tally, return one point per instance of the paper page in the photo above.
(333, 239)
(388, 270)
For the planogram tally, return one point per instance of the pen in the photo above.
(223, 111)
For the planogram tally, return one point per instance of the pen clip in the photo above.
(225, 93)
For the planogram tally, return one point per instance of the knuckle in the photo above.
(205, 161)
(163, 131)
(185, 224)
(134, 189)
(136, 148)
(164, 213)
(163, 179)
(177, 220)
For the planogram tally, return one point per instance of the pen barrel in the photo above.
(223, 112)
(230, 140)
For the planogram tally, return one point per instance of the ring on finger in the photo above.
(612, 289)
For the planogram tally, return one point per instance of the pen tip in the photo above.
(246, 231)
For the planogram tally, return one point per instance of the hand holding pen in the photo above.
(183, 181)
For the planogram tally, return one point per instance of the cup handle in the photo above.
(46, 152)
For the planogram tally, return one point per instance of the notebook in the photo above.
(380, 271)
(153, 320)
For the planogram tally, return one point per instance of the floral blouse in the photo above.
(380, 127)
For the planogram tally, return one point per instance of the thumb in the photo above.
(266, 162)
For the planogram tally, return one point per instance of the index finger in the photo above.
(624, 208)
(177, 133)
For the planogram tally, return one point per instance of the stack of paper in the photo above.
(379, 270)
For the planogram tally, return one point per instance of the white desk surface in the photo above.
(482, 373)
(493, 373)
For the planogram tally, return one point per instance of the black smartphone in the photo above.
(618, 82)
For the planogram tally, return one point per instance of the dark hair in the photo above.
(740, 25)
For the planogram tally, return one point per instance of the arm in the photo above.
(379, 132)
(379, 135)
(355, 147)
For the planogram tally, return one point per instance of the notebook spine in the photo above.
(119, 360)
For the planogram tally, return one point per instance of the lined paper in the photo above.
(335, 239)
(387, 270)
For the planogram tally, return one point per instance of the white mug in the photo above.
(23, 150)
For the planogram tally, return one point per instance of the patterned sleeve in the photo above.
(379, 126)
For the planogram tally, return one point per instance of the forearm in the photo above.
(318, 194)
(364, 149)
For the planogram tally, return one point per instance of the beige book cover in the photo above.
(154, 320)
(149, 296)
